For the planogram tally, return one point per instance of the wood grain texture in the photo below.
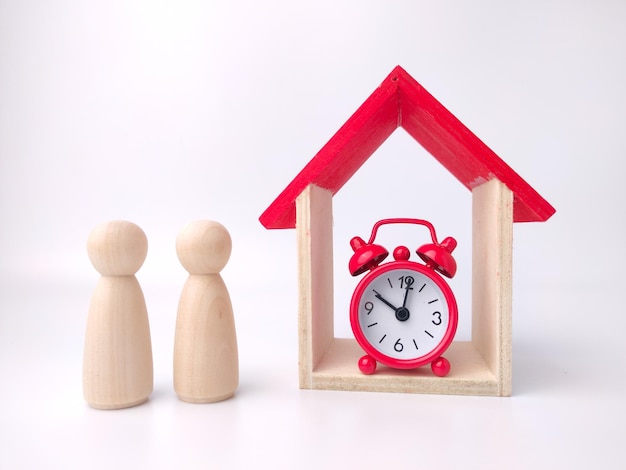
(492, 285)
(117, 360)
(206, 363)
(206, 360)
(315, 279)
(117, 363)
(479, 367)
(469, 374)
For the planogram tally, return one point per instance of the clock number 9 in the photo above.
(438, 315)
(398, 346)
(369, 306)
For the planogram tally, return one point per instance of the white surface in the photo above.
(382, 330)
(165, 112)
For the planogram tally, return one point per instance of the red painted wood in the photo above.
(461, 152)
(402, 101)
(342, 156)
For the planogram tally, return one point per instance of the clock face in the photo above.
(403, 314)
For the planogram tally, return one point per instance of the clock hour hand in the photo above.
(382, 299)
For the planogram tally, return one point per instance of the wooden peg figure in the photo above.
(206, 364)
(117, 363)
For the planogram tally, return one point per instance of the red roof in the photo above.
(402, 101)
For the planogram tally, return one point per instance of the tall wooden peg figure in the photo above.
(117, 364)
(206, 364)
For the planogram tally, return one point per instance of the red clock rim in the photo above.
(383, 358)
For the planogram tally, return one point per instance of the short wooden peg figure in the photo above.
(117, 363)
(206, 364)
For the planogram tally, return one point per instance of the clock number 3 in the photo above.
(438, 317)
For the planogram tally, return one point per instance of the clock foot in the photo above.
(440, 367)
(367, 365)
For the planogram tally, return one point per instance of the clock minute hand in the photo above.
(406, 295)
(380, 297)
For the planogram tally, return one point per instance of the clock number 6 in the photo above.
(398, 347)
(438, 315)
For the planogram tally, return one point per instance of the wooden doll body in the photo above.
(206, 367)
(205, 351)
(117, 362)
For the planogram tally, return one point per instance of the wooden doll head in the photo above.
(117, 248)
(203, 247)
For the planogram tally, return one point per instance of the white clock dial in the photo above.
(403, 314)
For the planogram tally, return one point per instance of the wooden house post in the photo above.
(314, 235)
(492, 253)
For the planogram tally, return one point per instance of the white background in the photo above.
(165, 112)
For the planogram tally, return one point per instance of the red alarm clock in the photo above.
(403, 314)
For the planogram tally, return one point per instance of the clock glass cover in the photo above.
(403, 314)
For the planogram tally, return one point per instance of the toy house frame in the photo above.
(500, 197)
